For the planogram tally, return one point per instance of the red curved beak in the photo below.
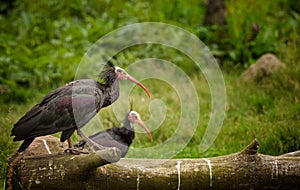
(130, 78)
(142, 124)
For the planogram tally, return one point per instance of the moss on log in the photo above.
(243, 170)
(56, 171)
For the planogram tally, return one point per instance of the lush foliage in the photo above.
(41, 48)
(42, 43)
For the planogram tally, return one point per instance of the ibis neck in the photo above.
(127, 124)
(128, 131)
(112, 93)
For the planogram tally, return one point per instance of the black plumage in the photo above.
(120, 138)
(70, 107)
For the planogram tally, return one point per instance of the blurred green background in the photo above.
(42, 43)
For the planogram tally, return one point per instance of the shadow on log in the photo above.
(243, 170)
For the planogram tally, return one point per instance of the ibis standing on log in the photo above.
(70, 107)
(120, 138)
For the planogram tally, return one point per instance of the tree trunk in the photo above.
(215, 13)
(56, 171)
(243, 170)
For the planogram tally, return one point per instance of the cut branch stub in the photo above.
(251, 148)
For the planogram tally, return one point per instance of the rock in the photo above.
(265, 66)
(43, 145)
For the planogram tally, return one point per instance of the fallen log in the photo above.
(38, 168)
(243, 170)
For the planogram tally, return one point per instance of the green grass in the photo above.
(255, 110)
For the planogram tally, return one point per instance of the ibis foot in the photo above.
(75, 150)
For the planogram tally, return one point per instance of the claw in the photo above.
(75, 150)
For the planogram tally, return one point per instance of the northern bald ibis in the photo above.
(120, 138)
(70, 107)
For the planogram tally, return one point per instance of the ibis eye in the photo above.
(134, 114)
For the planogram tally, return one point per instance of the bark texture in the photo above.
(243, 170)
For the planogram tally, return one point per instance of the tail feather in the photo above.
(25, 144)
(27, 123)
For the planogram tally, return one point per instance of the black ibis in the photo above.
(70, 107)
(118, 137)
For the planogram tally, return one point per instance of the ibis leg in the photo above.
(90, 141)
(73, 150)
